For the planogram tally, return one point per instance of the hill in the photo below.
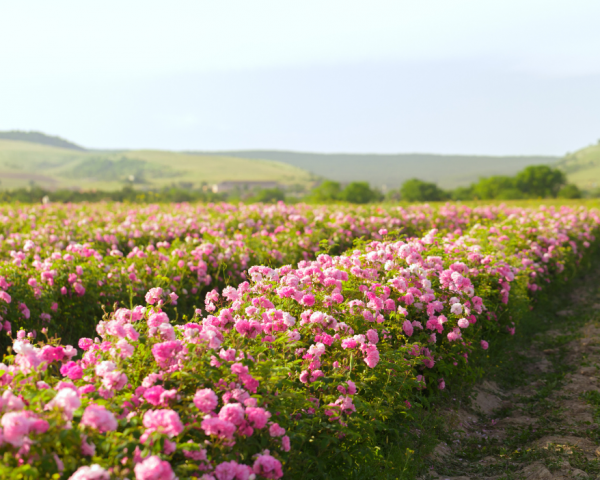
(52, 167)
(53, 162)
(583, 167)
(41, 138)
(448, 171)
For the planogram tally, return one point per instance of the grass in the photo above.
(507, 365)
(526, 203)
(52, 167)
(583, 167)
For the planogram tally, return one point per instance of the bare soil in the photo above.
(541, 419)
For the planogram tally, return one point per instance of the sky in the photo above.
(510, 77)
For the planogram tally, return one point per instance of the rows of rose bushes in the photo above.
(125, 226)
(293, 372)
(67, 262)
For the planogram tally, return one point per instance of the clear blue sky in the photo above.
(442, 76)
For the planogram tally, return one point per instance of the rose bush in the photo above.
(67, 262)
(288, 373)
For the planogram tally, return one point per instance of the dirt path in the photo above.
(541, 419)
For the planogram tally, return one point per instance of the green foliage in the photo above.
(122, 170)
(224, 264)
(416, 190)
(494, 187)
(36, 194)
(510, 194)
(569, 191)
(355, 192)
(373, 441)
(359, 192)
(327, 192)
(540, 181)
(269, 195)
(462, 193)
(392, 170)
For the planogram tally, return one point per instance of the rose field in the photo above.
(237, 342)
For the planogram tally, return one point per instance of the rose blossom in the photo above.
(153, 468)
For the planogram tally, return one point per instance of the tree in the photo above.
(498, 186)
(359, 192)
(328, 191)
(270, 195)
(462, 193)
(569, 191)
(540, 181)
(416, 190)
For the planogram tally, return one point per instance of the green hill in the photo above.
(39, 137)
(52, 167)
(52, 162)
(583, 167)
(448, 171)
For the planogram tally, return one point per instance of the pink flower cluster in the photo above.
(226, 392)
(101, 254)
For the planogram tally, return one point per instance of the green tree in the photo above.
(393, 196)
(328, 191)
(416, 190)
(359, 192)
(270, 195)
(498, 186)
(569, 191)
(540, 181)
(462, 193)
(510, 194)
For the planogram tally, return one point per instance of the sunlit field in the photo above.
(256, 341)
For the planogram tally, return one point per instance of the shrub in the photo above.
(270, 195)
(540, 181)
(359, 192)
(72, 262)
(569, 191)
(416, 190)
(326, 192)
(294, 371)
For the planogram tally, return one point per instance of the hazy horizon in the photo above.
(257, 150)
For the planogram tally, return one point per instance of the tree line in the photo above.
(533, 182)
(536, 181)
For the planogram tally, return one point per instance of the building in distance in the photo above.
(243, 186)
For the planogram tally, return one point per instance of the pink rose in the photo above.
(99, 418)
(153, 468)
(71, 370)
(205, 400)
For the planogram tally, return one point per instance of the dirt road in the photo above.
(540, 418)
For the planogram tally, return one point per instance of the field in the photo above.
(230, 342)
(51, 167)
(583, 167)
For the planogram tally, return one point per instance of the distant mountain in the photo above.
(391, 170)
(41, 138)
